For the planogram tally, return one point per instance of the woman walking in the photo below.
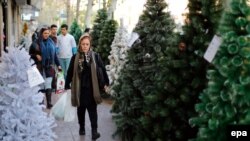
(85, 83)
(44, 54)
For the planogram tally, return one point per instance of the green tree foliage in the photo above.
(105, 40)
(201, 24)
(75, 31)
(166, 78)
(98, 26)
(127, 106)
(183, 70)
(226, 99)
(139, 104)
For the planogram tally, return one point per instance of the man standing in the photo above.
(67, 45)
(53, 33)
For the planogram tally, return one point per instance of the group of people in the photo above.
(81, 67)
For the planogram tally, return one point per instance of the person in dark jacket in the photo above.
(33, 50)
(83, 76)
(87, 30)
(44, 54)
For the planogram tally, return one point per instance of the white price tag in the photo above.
(34, 77)
(213, 48)
(134, 36)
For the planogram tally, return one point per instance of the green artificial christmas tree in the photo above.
(226, 99)
(105, 40)
(127, 106)
(73, 27)
(98, 26)
(75, 31)
(182, 74)
(139, 101)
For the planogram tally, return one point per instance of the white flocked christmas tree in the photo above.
(21, 116)
(118, 54)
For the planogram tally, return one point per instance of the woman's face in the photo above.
(45, 34)
(85, 45)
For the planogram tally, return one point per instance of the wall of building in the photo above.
(1, 29)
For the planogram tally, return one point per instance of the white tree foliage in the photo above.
(117, 55)
(21, 116)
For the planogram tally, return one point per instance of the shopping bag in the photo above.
(70, 111)
(58, 110)
(60, 83)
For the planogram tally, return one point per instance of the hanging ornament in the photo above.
(146, 58)
(147, 55)
(182, 46)
(148, 114)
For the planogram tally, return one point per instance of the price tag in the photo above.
(34, 76)
(213, 48)
(134, 36)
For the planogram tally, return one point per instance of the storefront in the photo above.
(11, 23)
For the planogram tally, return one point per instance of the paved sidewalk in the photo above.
(68, 131)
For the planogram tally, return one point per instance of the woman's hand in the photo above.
(106, 89)
(59, 68)
(39, 57)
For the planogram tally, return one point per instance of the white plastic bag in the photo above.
(70, 111)
(63, 108)
(58, 110)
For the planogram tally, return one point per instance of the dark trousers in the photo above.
(92, 110)
(87, 102)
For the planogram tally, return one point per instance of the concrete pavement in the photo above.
(68, 131)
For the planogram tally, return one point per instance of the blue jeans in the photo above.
(64, 62)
